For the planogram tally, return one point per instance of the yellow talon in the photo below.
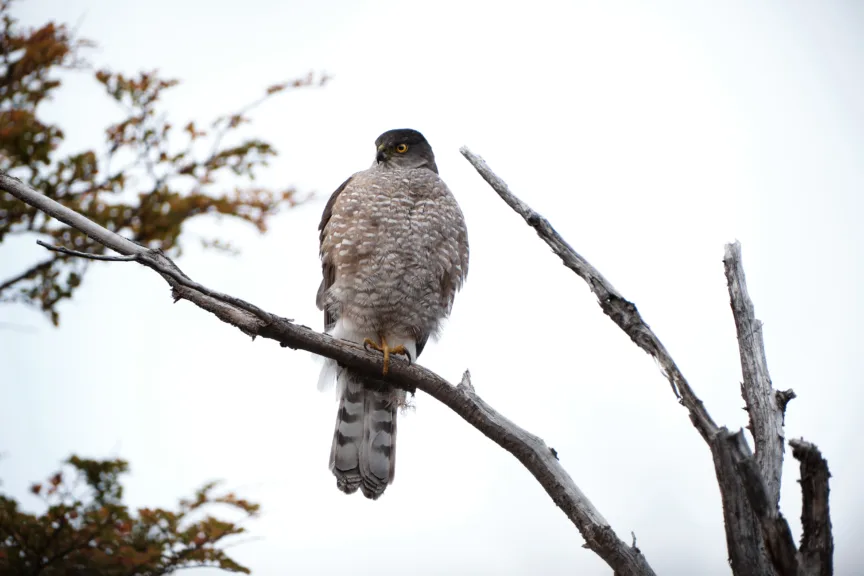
(386, 350)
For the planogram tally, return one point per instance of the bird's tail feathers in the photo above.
(363, 454)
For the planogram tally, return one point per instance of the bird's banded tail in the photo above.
(364, 442)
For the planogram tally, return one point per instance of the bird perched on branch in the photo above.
(394, 251)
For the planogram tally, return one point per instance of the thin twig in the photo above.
(87, 255)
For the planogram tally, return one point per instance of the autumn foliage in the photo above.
(147, 180)
(88, 531)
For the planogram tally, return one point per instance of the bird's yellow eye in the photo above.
(401, 148)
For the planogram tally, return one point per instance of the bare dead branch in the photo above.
(775, 530)
(766, 414)
(87, 255)
(757, 535)
(530, 450)
(614, 305)
(744, 542)
(817, 544)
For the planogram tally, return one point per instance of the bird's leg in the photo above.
(386, 350)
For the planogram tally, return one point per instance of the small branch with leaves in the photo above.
(153, 174)
(86, 528)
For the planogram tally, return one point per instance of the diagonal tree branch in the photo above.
(614, 305)
(530, 450)
(766, 413)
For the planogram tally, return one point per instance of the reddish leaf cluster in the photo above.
(150, 180)
(96, 534)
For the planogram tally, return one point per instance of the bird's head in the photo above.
(404, 148)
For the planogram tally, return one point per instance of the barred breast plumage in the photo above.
(394, 252)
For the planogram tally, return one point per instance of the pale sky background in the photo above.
(650, 134)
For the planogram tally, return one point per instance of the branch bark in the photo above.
(776, 537)
(817, 544)
(766, 414)
(744, 542)
(530, 450)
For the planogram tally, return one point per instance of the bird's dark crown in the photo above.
(401, 135)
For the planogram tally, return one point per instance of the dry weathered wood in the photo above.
(766, 413)
(530, 450)
(775, 531)
(744, 542)
(815, 556)
(817, 543)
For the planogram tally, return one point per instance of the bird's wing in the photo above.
(327, 269)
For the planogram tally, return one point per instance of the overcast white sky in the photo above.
(649, 135)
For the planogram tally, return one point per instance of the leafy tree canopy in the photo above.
(87, 530)
(150, 177)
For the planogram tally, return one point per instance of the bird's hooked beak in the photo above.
(382, 155)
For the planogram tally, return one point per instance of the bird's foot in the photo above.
(384, 348)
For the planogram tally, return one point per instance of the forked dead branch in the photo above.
(758, 538)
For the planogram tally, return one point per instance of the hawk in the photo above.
(394, 252)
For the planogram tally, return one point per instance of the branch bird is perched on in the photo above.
(394, 251)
